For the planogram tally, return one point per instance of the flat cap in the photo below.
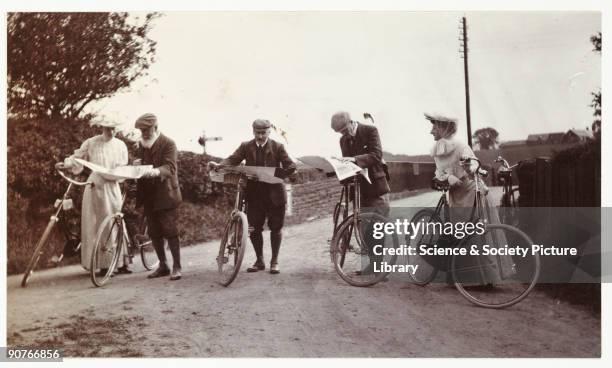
(436, 118)
(261, 124)
(146, 121)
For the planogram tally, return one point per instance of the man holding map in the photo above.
(264, 200)
(360, 144)
(158, 191)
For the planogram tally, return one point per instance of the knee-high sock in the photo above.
(175, 249)
(276, 236)
(257, 240)
(158, 244)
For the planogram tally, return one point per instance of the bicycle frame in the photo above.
(239, 201)
(54, 219)
(345, 198)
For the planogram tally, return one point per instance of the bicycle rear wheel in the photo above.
(353, 259)
(338, 217)
(147, 251)
(110, 240)
(496, 281)
(509, 210)
(231, 249)
(427, 269)
(37, 252)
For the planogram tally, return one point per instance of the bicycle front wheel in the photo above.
(231, 249)
(491, 280)
(353, 253)
(37, 253)
(110, 240)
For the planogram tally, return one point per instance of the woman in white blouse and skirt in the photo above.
(448, 154)
(104, 197)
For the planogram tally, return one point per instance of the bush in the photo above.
(34, 146)
(193, 176)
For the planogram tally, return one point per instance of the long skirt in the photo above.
(462, 200)
(99, 201)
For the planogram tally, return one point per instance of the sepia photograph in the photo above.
(303, 184)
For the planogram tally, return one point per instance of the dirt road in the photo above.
(306, 311)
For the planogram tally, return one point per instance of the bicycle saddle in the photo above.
(439, 185)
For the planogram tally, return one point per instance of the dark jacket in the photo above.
(275, 155)
(162, 192)
(367, 150)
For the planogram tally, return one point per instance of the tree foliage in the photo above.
(58, 63)
(596, 41)
(596, 101)
(486, 138)
(34, 146)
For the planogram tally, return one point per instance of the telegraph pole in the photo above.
(464, 55)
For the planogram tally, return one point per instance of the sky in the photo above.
(530, 72)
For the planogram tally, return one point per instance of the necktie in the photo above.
(259, 156)
(351, 142)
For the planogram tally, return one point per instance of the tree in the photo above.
(58, 63)
(596, 101)
(486, 138)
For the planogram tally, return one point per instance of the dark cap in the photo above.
(261, 124)
(146, 121)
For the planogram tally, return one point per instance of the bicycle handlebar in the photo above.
(505, 163)
(465, 160)
(70, 180)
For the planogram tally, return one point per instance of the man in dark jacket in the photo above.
(361, 145)
(158, 191)
(264, 200)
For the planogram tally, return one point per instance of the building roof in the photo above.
(544, 136)
(519, 142)
(582, 133)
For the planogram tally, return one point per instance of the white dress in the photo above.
(447, 154)
(104, 198)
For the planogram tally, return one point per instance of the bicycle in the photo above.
(236, 230)
(350, 249)
(112, 237)
(482, 279)
(61, 204)
(509, 200)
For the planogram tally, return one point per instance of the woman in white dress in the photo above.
(448, 154)
(104, 197)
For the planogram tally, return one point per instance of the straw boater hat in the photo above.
(449, 123)
(437, 118)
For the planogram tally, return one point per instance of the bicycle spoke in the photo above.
(496, 281)
(231, 250)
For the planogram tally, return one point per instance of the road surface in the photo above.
(305, 311)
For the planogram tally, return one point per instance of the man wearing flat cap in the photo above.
(158, 191)
(264, 200)
(361, 145)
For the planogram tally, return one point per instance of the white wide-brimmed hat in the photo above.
(105, 123)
